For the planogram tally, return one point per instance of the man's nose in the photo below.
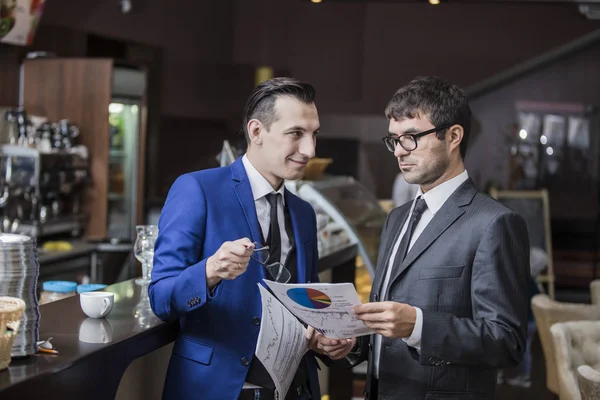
(308, 146)
(399, 150)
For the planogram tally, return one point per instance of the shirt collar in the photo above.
(260, 186)
(436, 197)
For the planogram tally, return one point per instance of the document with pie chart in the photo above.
(281, 342)
(324, 306)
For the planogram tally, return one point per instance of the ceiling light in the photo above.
(434, 2)
(523, 134)
(316, 1)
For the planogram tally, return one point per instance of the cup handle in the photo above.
(105, 305)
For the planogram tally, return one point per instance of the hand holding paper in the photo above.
(388, 318)
(325, 306)
(283, 340)
(336, 349)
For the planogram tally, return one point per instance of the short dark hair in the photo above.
(431, 96)
(261, 103)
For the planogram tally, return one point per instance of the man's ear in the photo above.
(255, 129)
(455, 135)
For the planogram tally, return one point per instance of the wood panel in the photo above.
(9, 75)
(80, 91)
(61, 41)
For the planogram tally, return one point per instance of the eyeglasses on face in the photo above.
(277, 271)
(408, 141)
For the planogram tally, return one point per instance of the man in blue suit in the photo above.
(204, 273)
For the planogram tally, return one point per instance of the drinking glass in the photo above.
(143, 250)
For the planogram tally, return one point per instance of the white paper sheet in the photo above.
(281, 342)
(324, 306)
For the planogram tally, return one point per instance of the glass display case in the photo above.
(347, 212)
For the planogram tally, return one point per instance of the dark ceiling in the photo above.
(463, 1)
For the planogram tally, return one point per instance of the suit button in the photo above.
(370, 347)
(376, 297)
(256, 321)
(245, 361)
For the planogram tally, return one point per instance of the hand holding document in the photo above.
(324, 306)
(282, 338)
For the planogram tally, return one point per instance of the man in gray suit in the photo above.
(449, 297)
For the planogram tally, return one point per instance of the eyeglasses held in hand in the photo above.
(277, 271)
(408, 141)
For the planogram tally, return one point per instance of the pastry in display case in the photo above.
(347, 213)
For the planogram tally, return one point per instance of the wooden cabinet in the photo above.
(81, 90)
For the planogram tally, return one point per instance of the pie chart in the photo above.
(309, 298)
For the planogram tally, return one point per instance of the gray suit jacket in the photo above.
(468, 272)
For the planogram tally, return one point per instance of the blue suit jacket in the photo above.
(218, 332)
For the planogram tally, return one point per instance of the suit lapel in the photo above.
(292, 204)
(244, 194)
(440, 222)
(452, 209)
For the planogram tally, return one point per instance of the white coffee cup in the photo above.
(96, 304)
(93, 330)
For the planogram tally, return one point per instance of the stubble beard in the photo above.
(428, 173)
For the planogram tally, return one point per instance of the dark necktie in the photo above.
(420, 207)
(274, 236)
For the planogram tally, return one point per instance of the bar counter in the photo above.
(84, 370)
(81, 369)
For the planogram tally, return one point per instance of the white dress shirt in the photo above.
(435, 199)
(402, 191)
(260, 189)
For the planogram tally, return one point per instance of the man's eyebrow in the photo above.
(295, 128)
(300, 128)
(409, 130)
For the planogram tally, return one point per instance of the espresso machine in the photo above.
(42, 192)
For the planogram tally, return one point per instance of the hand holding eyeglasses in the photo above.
(229, 262)
(276, 270)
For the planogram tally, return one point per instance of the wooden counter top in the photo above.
(129, 331)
